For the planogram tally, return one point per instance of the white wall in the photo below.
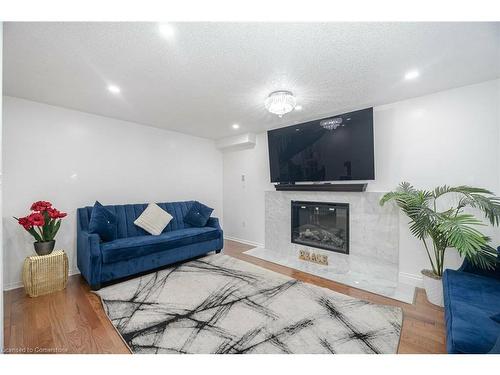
(73, 158)
(244, 219)
(451, 137)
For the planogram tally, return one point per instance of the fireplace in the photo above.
(321, 225)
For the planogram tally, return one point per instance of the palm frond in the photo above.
(423, 219)
(441, 190)
(406, 187)
(461, 234)
(490, 206)
(463, 189)
(480, 198)
(485, 258)
(389, 196)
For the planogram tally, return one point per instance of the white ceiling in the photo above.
(211, 75)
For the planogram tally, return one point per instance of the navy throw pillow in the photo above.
(198, 215)
(496, 317)
(103, 222)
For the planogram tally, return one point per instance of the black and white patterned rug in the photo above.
(218, 304)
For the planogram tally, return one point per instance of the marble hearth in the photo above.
(373, 259)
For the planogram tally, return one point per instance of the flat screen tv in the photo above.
(336, 148)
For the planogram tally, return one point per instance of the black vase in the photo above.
(44, 247)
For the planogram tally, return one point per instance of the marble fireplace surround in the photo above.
(373, 260)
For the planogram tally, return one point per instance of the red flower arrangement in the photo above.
(44, 221)
(41, 206)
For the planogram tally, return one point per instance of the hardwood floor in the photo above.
(73, 320)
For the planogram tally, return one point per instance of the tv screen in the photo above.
(335, 148)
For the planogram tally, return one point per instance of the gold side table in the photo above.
(44, 274)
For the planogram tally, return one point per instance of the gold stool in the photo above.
(43, 274)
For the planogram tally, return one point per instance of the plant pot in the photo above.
(433, 287)
(44, 247)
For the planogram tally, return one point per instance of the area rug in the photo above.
(218, 304)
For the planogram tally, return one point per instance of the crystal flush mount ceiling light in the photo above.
(280, 102)
(331, 123)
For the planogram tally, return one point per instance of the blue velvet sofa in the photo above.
(471, 299)
(135, 250)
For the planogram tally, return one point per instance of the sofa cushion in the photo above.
(198, 214)
(470, 301)
(153, 219)
(103, 222)
(133, 247)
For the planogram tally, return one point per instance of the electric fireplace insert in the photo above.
(321, 224)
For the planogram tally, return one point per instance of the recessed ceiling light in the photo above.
(166, 30)
(114, 89)
(298, 107)
(236, 126)
(412, 75)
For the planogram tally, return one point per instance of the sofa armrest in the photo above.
(467, 266)
(214, 223)
(89, 256)
(92, 243)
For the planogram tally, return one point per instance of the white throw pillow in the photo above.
(154, 219)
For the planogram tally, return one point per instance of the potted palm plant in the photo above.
(452, 227)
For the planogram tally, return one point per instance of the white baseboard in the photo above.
(411, 279)
(14, 285)
(246, 242)
(19, 284)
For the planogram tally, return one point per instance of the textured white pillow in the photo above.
(154, 219)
